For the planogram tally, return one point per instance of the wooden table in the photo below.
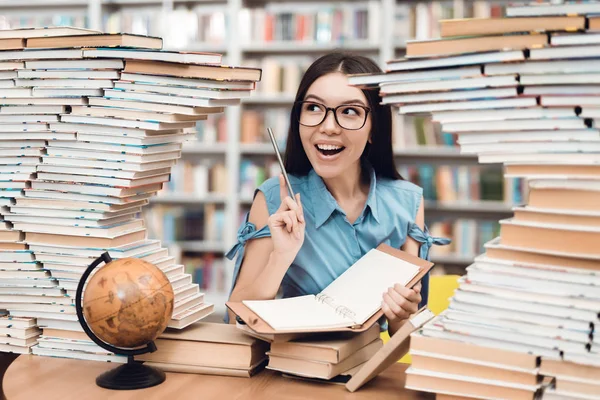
(30, 377)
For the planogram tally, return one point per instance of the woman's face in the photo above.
(332, 149)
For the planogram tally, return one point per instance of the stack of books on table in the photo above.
(99, 120)
(208, 348)
(18, 335)
(325, 356)
(528, 308)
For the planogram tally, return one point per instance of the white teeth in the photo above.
(328, 147)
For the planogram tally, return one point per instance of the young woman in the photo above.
(350, 197)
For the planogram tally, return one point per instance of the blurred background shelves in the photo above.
(199, 211)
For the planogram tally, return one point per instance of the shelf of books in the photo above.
(212, 185)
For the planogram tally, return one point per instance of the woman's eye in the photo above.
(351, 111)
(313, 107)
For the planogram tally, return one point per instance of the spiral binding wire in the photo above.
(345, 312)
(323, 298)
(341, 310)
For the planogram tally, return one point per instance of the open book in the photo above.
(350, 300)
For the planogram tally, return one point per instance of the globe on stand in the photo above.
(127, 303)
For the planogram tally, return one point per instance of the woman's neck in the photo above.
(347, 186)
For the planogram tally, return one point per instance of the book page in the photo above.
(360, 288)
(297, 313)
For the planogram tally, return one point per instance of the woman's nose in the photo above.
(330, 125)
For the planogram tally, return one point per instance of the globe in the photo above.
(128, 303)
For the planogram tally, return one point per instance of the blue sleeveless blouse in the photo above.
(331, 242)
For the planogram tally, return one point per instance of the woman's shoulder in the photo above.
(271, 185)
(270, 189)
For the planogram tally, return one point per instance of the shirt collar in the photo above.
(324, 203)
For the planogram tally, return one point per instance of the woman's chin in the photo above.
(328, 171)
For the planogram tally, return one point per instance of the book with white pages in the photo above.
(117, 147)
(16, 93)
(566, 135)
(148, 125)
(559, 79)
(451, 95)
(32, 109)
(518, 125)
(133, 141)
(125, 183)
(108, 130)
(564, 273)
(65, 92)
(502, 114)
(586, 112)
(169, 99)
(569, 39)
(74, 64)
(64, 74)
(63, 101)
(128, 250)
(99, 232)
(100, 172)
(78, 222)
(469, 105)
(98, 198)
(468, 59)
(435, 86)
(562, 67)
(43, 135)
(182, 91)
(563, 157)
(542, 147)
(156, 55)
(154, 107)
(104, 155)
(97, 190)
(78, 214)
(561, 90)
(133, 166)
(45, 32)
(187, 82)
(571, 184)
(28, 118)
(564, 100)
(66, 83)
(105, 111)
(565, 52)
(350, 300)
(7, 84)
(385, 78)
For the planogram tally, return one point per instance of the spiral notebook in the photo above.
(350, 300)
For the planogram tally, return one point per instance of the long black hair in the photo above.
(378, 153)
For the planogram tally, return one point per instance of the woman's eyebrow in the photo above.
(353, 101)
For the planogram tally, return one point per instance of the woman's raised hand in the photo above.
(287, 225)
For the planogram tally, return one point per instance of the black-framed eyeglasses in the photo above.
(348, 116)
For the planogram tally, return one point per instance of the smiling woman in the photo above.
(350, 197)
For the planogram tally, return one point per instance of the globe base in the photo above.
(133, 375)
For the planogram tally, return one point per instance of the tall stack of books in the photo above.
(518, 90)
(90, 126)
